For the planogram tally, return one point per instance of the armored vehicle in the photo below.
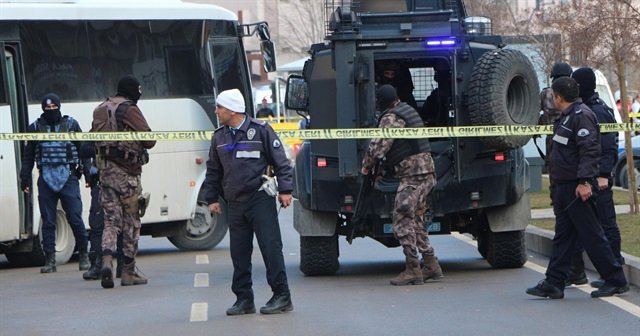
(455, 73)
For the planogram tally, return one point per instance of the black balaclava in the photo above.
(51, 116)
(129, 87)
(586, 78)
(385, 97)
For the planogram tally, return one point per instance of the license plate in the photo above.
(387, 228)
(434, 227)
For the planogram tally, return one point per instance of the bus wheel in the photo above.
(65, 241)
(203, 232)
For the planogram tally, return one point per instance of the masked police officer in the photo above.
(574, 167)
(59, 166)
(241, 150)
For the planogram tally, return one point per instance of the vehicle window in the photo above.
(228, 68)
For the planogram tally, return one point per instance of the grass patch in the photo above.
(540, 199)
(629, 224)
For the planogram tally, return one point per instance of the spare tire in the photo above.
(504, 91)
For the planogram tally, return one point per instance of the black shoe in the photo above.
(241, 307)
(608, 290)
(545, 289)
(597, 283)
(580, 279)
(279, 303)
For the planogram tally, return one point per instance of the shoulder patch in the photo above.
(276, 143)
(583, 132)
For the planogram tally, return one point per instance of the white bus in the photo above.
(182, 53)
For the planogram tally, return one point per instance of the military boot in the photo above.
(49, 263)
(83, 260)
(94, 271)
(431, 269)
(577, 276)
(130, 277)
(412, 275)
(106, 274)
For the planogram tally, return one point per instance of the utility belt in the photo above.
(116, 153)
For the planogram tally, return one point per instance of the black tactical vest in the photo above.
(403, 148)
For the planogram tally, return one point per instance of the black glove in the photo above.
(25, 183)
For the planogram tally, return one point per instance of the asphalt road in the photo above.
(188, 293)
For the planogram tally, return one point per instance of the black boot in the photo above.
(83, 260)
(279, 303)
(49, 263)
(94, 271)
(577, 276)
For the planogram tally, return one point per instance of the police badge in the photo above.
(251, 133)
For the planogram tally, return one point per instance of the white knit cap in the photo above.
(232, 100)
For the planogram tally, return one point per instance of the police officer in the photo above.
(241, 150)
(586, 79)
(549, 112)
(60, 170)
(411, 161)
(574, 167)
(120, 164)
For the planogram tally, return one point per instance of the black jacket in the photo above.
(236, 163)
(608, 141)
(576, 145)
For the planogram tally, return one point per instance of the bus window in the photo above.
(229, 72)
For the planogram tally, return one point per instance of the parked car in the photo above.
(621, 177)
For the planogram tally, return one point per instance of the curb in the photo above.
(541, 241)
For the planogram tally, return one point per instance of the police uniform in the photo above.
(237, 160)
(58, 180)
(574, 159)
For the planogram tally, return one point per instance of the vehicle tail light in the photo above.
(498, 156)
(321, 162)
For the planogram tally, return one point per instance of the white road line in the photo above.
(201, 280)
(202, 259)
(199, 312)
(614, 300)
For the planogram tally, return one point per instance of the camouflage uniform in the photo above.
(119, 193)
(549, 116)
(417, 179)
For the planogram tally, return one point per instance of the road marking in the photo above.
(202, 259)
(199, 312)
(614, 300)
(201, 280)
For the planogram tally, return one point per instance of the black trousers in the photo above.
(577, 220)
(257, 216)
(607, 215)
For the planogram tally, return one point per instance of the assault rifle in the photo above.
(363, 200)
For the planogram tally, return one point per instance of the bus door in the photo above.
(16, 214)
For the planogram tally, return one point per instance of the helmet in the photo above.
(561, 69)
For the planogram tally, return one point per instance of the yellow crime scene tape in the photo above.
(634, 115)
(316, 134)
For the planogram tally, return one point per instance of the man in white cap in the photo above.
(241, 151)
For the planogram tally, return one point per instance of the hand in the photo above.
(583, 191)
(25, 184)
(603, 183)
(215, 208)
(364, 171)
(285, 200)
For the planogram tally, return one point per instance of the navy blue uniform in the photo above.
(574, 159)
(57, 180)
(234, 172)
(608, 159)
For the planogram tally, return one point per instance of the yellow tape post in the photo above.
(317, 134)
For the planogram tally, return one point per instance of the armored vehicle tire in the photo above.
(319, 255)
(506, 249)
(204, 232)
(503, 91)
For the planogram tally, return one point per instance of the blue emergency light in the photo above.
(440, 42)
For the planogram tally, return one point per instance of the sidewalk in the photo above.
(540, 241)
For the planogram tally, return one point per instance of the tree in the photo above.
(301, 25)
